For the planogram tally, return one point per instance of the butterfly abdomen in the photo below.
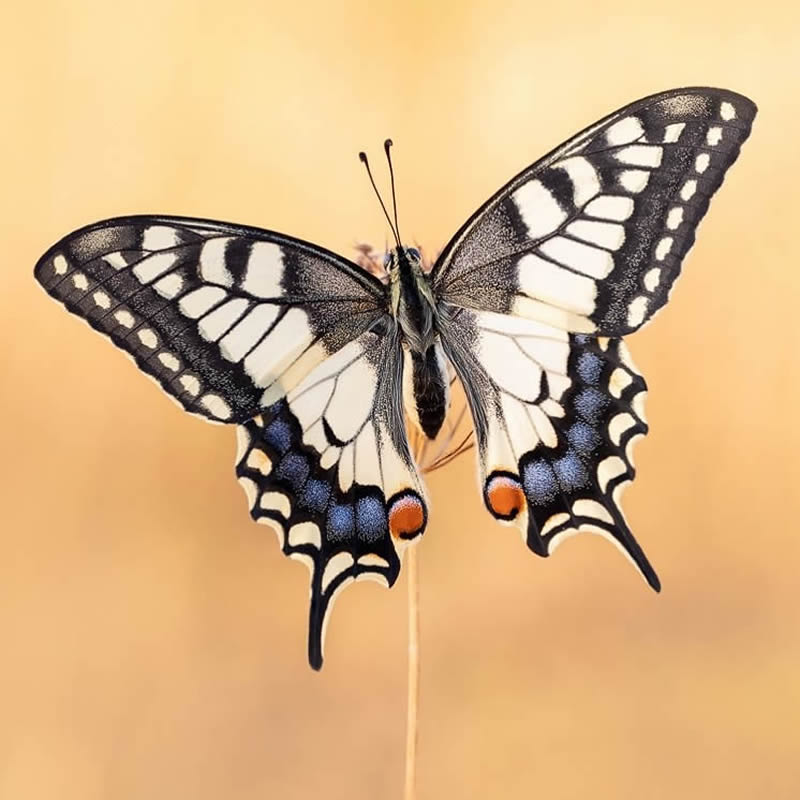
(427, 390)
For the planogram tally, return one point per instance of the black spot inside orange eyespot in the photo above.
(504, 496)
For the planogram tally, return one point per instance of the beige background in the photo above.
(154, 638)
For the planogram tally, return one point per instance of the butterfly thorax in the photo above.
(414, 307)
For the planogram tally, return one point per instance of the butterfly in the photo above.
(318, 364)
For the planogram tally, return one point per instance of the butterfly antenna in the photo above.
(386, 147)
(363, 156)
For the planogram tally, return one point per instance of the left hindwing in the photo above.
(591, 238)
(329, 468)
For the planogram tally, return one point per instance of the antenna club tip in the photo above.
(387, 144)
(362, 156)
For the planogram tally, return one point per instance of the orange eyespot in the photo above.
(407, 517)
(504, 496)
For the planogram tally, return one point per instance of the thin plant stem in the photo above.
(413, 673)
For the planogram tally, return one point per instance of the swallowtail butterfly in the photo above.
(318, 363)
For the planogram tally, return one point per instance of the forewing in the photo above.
(226, 318)
(329, 468)
(556, 415)
(591, 238)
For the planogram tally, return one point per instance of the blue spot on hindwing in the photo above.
(371, 522)
(590, 404)
(278, 434)
(294, 468)
(316, 495)
(571, 471)
(341, 523)
(539, 482)
(583, 437)
(589, 367)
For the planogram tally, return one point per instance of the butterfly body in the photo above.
(426, 388)
(318, 363)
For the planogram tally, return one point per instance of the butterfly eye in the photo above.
(387, 259)
(413, 253)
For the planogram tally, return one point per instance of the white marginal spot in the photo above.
(336, 566)
(250, 490)
(714, 135)
(584, 177)
(102, 299)
(169, 285)
(148, 337)
(159, 237)
(148, 269)
(276, 501)
(305, 533)
(634, 180)
(538, 208)
(618, 425)
(674, 217)
(552, 284)
(640, 155)
(688, 189)
(242, 442)
(216, 406)
(613, 207)
(605, 234)
(727, 111)
(259, 460)
(196, 303)
(264, 270)
(652, 278)
(554, 521)
(637, 311)
(79, 279)
(60, 264)
(169, 361)
(592, 261)
(212, 261)
(673, 132)
(663, 248)
(629, 448)
(244, 336)
(608, 469)
(222, 318)
(125, 318)
(372, 560)
(624, 131)
(619, 381)
(190, 384)
(638, 405)
(701, 162)
(306, 559)
(591, 508)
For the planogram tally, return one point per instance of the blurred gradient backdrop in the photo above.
(154, 637)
